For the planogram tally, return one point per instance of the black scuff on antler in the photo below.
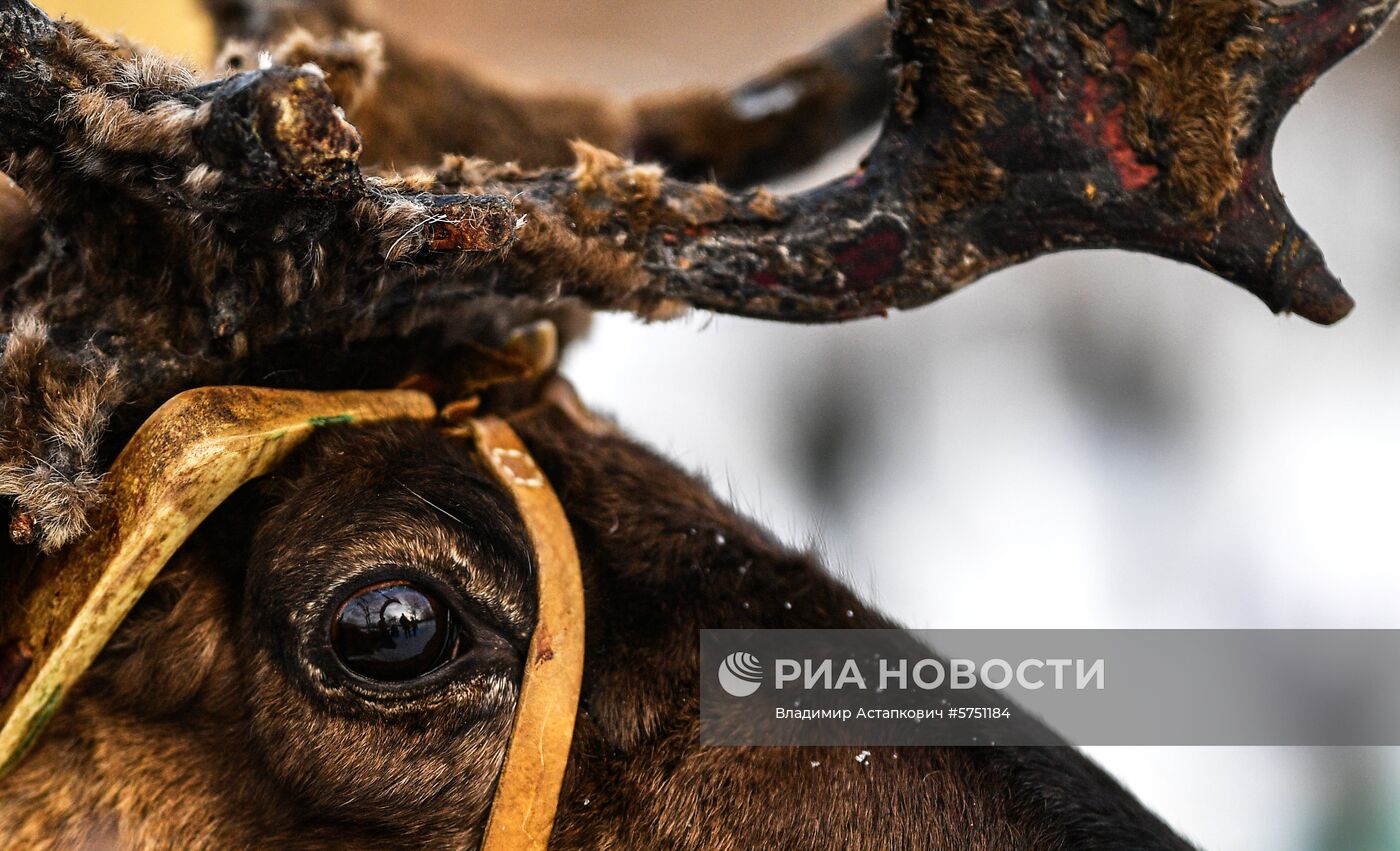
(192, 233)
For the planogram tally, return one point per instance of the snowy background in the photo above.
(1093, 440)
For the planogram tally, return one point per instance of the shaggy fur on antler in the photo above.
(199, 232)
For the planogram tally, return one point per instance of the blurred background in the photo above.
(1093, 440)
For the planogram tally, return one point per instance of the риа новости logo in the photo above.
(740, 674)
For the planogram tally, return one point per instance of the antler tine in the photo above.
(413, 109)
(777, 123)
(1310, 37)
(1019, 129)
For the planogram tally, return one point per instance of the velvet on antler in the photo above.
(194, 232)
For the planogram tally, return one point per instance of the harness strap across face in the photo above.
(185, 461)
(527, 793)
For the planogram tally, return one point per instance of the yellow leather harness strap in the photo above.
(527, 792)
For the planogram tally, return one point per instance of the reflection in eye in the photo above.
(394, 631)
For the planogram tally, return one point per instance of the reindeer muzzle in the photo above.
(185, 461)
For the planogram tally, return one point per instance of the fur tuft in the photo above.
(53, 412)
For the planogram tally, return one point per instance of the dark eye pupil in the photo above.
(394, 631)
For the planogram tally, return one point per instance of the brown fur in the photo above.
(216, 720)
(971, 53)
(1189, 103)
(52, 418)
(1189, 94)
(577, 238)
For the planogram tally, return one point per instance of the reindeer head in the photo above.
(337, 653)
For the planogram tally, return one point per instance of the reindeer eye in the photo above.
(394, 631)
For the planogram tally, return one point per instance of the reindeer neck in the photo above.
(663, 558)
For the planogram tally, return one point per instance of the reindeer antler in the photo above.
(412, 109)
(1142, 125)
(191, 232)
(1019, 129)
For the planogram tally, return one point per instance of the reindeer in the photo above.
(168, 233)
